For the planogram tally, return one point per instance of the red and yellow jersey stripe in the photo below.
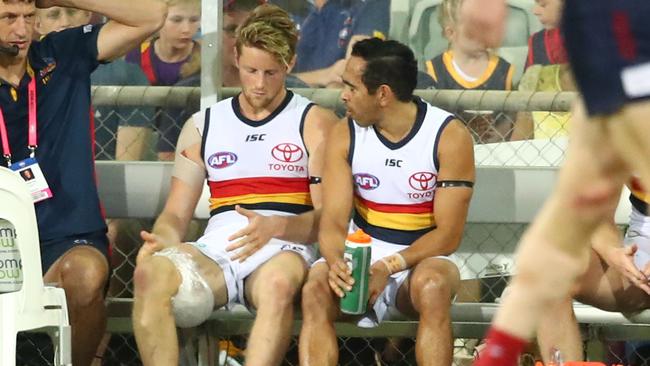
(407, 217)
(266, 193)
(638, 191)
(640, 198)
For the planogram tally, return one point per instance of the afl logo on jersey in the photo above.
(422, 181)
(287, 153)
(366, 181)
(222, 159)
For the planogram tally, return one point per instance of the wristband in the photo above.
(395, 263)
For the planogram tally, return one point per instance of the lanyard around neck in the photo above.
(32, 128)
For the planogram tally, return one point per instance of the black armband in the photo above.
(315, 180)
(454, 183)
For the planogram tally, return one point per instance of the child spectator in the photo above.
(469, 64)
(546, 70)
(170, 58)
(58, 18)
(174, 54)
(546, 47)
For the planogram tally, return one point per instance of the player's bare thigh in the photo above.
(288, 265)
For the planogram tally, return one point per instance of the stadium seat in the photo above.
(517, 57)
(425, 34)
(400, 19)
(34, 305)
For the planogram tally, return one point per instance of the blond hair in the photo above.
(448, 13)
(270, 29)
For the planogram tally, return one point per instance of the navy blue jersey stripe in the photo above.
(282, 207)
(639, 204)
(401, 237)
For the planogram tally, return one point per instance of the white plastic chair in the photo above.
(34, 306)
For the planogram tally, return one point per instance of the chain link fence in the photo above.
(145, 121)
(142, 123)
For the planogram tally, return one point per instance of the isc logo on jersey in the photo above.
(424, 183)
(222, 159)
(366, 181)
(287, 155)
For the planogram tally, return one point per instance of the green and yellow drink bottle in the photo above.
(357, 256)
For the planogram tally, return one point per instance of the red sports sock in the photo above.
(502, 349)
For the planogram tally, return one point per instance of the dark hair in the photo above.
(241, 5)
(388, 62)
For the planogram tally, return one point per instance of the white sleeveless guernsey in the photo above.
(395, 182)
(260, 165)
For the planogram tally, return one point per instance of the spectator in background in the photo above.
(372, 19)
(547, 70)
(469, 64)
(546, 46)
(174, 54)
(168, 59)
(58, 18)
(297, 9)
(324, 37)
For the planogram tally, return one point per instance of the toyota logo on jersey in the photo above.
(366, 181)
(287, 153)
(422, 181)
(222, 159)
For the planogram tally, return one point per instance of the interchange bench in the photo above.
(504, 197)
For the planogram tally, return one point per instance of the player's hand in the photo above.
(378, 280)
(335, 74)
(152, 243)
(646, 270)
(622, 259)
(255, 235)
(484, 20)
(340, 277)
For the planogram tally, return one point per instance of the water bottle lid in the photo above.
(359, 237)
